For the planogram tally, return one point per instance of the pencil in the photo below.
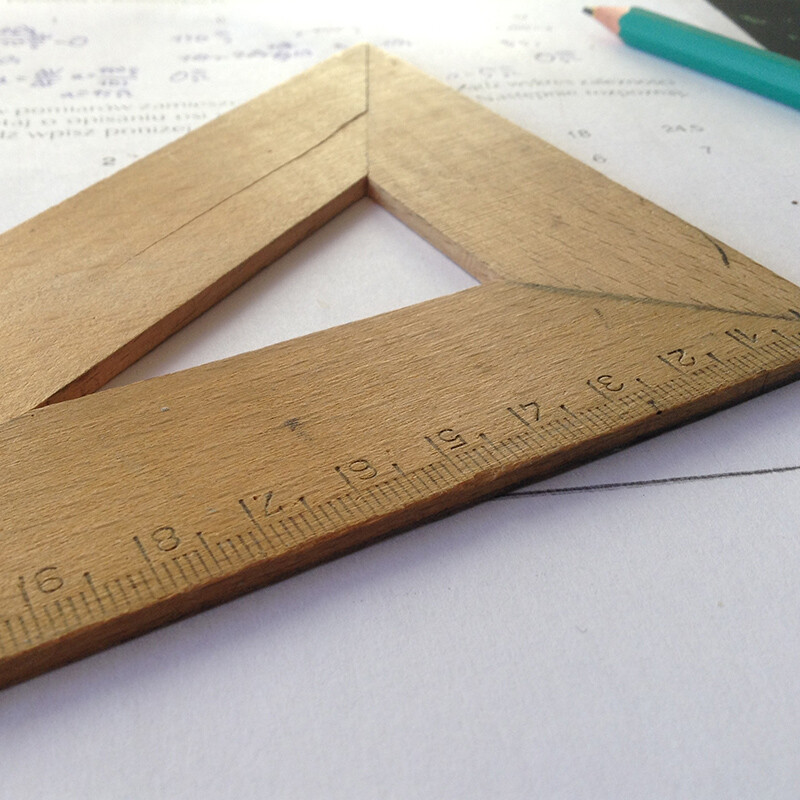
(761, 71)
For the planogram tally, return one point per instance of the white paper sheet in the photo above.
(611, 642)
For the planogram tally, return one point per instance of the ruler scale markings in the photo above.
(448, 459)
(474, 455)
(787, 339)
(245, 545)
(783, 348)
(364, 499)
(136, 587)
(411, 486)
(400, 488)
(516, 444)
(573, 422)
(442, 469)
(406, 489)
(461, 460)
(585, 418)
(489, 447)
(468, 461)
(55, 614)
(375, 494)
(60, 618)
(610, 417)
(519, 417)
(204, 564)
(648, 397)
(60, 609)
(368, 503)
(353, 507)
(480, 457)
(296, 519)
(88, 578)
(388, 493)
(448, 471)
(542, 435)
(740, 339)
(426, 471)
(675, 388)
(343, 476)
(420, 487)
(262, 552)
(182, 564)
(289, 535)
(208, 550)
(110, 597)
(50, 619)
(311, 512)
(11, 635)
(277, 536)
(168, 572)
(594, 415)
(257, 544)
(739, 364)
(25, 631)
(510, 455)
(235, 550)
(122, 591)
(425, 482)
(149, 563)
(250, 516)
(224, 545)
(223, 554)
(568, 428)
(572, 414)
(349, 507)
(192, 558)
(328, 518)
(595, 389)
(670, 364)
(27, 601)
(720, 364)
(78, 619)
(332, 505)
(523, 442)
(437, 478)
(89, 609)
(594, 420)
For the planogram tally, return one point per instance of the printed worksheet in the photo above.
(626, 629)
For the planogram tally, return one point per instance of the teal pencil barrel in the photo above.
(769, 74)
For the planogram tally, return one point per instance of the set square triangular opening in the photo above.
(100, 279)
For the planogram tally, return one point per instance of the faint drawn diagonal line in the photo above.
(605, 487)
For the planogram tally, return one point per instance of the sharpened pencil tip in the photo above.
(589, 11)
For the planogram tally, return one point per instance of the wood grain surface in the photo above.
(602, 319)
(92, 284)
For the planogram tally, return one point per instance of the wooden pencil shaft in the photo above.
(769, 74)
